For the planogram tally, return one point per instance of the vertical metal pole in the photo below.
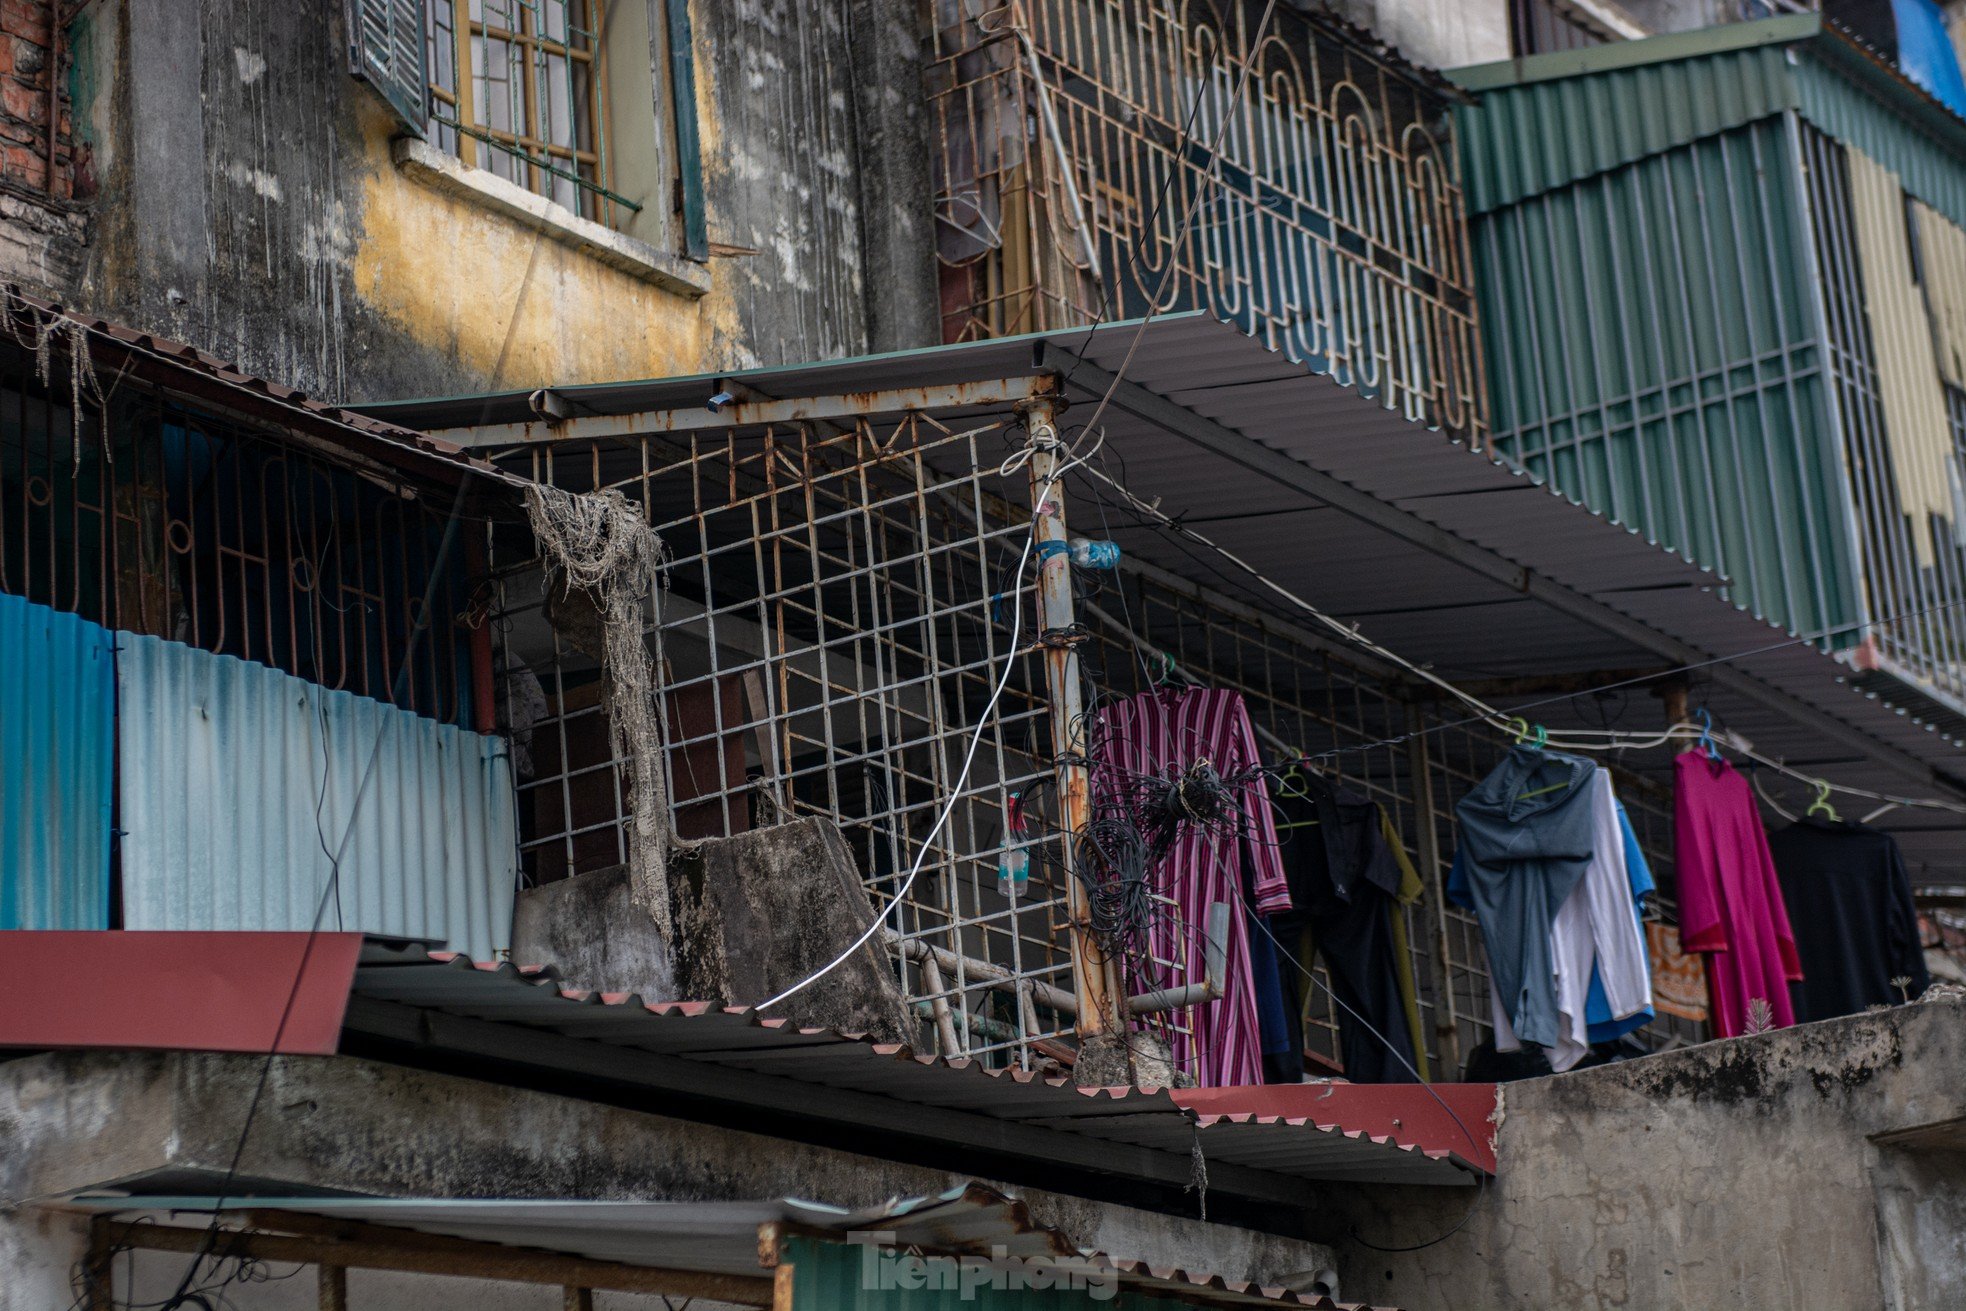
(1094, 976)
(98, 1274)
(1419, 763)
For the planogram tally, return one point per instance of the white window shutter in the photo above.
(386, 51)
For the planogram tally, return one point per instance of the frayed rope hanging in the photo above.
(601, 544)
(39, 332)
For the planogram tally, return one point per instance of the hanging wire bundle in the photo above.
(1111, 861)
(1197, 798)
(601, 544)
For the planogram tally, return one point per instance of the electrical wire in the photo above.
(184, 1292)
(1601, 740)
(1013, 462)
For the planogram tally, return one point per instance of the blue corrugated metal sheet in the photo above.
(224, 765)
(57, 754)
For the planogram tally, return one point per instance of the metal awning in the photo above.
(735, 1065)
(732, 1239)
(441, 1005)
(1435, 551)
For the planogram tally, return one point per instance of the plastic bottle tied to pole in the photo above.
(1014, 861)
(1092, 553)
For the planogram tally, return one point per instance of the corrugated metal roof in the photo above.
(714, 1237)
(767, 1049)
(173, 365)
(1511, 611)
(1551, 120)
(237, 780)
(57, 760)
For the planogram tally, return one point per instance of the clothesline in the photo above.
(1592, 740)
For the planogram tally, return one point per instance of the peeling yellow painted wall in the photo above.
(454, 275)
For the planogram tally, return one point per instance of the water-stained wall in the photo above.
(249, 203)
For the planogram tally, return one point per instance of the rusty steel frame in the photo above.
(1096, 981)
(1069, 141)
(745, 412)
(341, 1246)
(834, 616)
(833, 623)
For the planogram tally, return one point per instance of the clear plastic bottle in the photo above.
(1013, 871)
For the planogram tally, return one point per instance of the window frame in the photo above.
(541, 160)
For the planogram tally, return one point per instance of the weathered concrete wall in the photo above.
(74, 1120)
(589, 928)
(755, 914)
(1437, 33)
(764, 911)
(1747, 1173)
(249, 204)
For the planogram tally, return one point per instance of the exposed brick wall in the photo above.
(26, 65)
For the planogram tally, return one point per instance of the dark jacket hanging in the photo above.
(1849, 903)
(1343, 879)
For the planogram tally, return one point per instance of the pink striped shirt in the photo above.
(1164, 730)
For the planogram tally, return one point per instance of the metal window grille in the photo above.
(1930, 638)
(1329, 223)
(159, 519)
(519, 87)
(1539, 27)
(835, 619)
(833, 628)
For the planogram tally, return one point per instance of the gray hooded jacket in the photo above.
(1522, 855)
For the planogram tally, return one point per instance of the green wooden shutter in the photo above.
(385, 39)
(689, 151)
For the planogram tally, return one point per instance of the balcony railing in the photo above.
(1075, 136)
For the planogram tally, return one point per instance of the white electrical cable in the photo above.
(1011, 654)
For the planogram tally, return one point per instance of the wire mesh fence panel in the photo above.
(840, 606)
(1104, 158)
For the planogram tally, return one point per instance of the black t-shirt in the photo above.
(1849, 903)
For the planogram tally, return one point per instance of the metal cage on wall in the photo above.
(140, 512)
(840, 601)
(1074, 138)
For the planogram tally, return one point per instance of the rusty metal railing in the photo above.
(154, 517)
(835, 620)
(1072, 137)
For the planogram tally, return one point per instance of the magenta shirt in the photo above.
(1730, 902)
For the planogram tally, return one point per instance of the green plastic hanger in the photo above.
(1821, 806)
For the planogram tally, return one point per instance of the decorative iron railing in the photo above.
(1076, 137)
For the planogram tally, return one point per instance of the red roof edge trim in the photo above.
(1450, 1120)
(161, 991)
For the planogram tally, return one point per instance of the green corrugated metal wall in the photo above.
(830, 1276)
(1932, 167)
(1653, 349)
(1550, 120)
(1537, 136)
